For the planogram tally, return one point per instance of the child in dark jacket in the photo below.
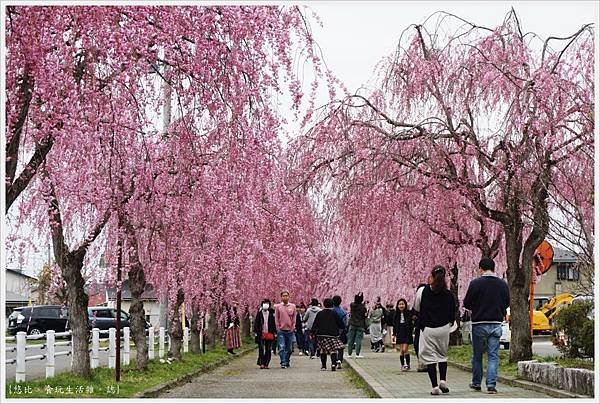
(299, 332)
(403, 330)
(326, 328)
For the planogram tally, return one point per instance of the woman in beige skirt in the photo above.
(436, 315)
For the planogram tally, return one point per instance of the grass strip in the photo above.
(354, 378)
(102, 384)
(462, 355)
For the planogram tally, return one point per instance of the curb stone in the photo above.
(366, 386)
(153, 392)
(377, 388)
(526, 384)
(381, 392)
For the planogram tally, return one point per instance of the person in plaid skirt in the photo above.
(233, 338)
(326, 328)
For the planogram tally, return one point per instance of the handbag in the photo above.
(268, 336)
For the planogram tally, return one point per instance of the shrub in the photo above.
(578, 328)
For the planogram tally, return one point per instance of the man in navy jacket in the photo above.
(488, 298)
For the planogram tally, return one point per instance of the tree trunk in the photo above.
(163, 307)
(245, 323)
(71, 264)
(175, 329)
(455, 337)
(518, 283)
(212, 330)
(195, 330)
(137, 284)
(78, 315)
(519, 259)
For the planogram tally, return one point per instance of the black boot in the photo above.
(323, 361)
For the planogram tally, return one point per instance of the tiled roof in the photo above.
(561, 255)
(18, 272)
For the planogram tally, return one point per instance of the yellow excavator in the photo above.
(542, 318)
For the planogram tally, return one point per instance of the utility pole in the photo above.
(119, 263)
(166, 122)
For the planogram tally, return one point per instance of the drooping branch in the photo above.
(14, 140)
(61, 250)
(14, 189)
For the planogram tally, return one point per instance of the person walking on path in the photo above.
(326, 328)
(420, 366)
(389, 323)
(403, 330)
(375, 331)
(285, 322)
(300, 343)
(436, 314)
(356, 325)
(337, 301)
(308, 319)
(488, 298)
(265, 330)
(233, 337)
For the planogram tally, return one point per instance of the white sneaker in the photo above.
(435, 391)
(444, 387)
(359, 356)
(300, 353)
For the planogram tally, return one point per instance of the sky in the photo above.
(356, 35)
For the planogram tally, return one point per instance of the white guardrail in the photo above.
(50, 345)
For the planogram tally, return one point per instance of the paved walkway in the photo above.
(382, 372)
(241, 378)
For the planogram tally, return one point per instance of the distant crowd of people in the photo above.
(325, 331)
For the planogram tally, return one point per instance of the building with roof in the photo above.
(149, 298)
(562, 277)
(20, 289)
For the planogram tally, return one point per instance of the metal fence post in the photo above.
(95, 346)
(161, 342)
(112, 354)
(126, 346)
(21, 343)
(151, 343)
(50, 338)
(186, 339)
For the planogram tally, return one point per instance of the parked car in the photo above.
(106, 317)
(103, 318)
(38, 319)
